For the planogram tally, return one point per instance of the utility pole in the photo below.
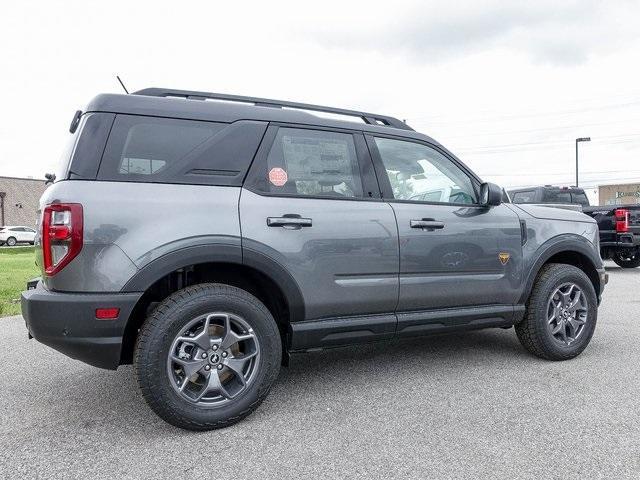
(578, 140)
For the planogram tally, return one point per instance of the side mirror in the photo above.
(490, 194)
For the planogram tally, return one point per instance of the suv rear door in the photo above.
(454, 253)
(311, 203)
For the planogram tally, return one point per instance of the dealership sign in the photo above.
(628, 194)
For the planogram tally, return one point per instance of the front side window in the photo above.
(314, 163)
(420, 173)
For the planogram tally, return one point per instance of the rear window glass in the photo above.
(524, 197)
(556, 196)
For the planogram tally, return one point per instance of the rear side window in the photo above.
(524, 197)
(313, 163)
(164, 150)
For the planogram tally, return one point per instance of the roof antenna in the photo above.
(125, 88)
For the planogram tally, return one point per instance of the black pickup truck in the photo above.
(619, 224)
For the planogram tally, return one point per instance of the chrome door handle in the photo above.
(427, 224)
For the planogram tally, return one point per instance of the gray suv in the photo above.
(207, 237)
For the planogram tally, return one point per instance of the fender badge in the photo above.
(504, 258)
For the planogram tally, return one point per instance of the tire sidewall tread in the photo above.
(166, 321)
(532, 331)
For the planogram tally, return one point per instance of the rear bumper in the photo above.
(67, 323)
(620, 240)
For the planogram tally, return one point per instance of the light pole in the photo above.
(578, 140)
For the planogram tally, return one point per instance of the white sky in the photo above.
(507, 86)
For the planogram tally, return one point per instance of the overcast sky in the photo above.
(507, 86)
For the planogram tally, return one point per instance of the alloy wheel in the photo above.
(567, 313)
(213, 359)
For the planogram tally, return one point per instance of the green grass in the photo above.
(17, 265)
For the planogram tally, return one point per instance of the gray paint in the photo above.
(128, 225)
(458, 265)
(345, 264)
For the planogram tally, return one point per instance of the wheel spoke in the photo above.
(573, 329)
(189, 366)
(230, 337)
(214, 385)
(237, 364)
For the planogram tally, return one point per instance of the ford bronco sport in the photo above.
(206, 237)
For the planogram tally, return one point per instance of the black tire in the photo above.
(627, 261)
(168, 319)
(11, 242)
(533, 331)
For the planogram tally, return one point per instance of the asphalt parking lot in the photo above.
(462, 406)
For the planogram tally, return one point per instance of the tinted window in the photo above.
(580, 198)
(524, 197)
(312, 162)
(148, 149)
(556, 196)
(419, 172)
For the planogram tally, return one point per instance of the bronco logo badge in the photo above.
(504, 258)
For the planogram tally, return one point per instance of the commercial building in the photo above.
(622, 194)
(19, 200)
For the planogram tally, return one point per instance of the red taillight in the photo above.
(61, 235)
(107, 313)
(622, 220)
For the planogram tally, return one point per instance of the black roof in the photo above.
(230, 108)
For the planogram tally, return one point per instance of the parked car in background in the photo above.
(619, 225)
(11, 236)
(572, 198)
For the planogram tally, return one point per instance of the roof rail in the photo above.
(368, 118)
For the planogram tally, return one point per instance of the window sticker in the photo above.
(278, 176)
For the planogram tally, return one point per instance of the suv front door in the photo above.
(459, 261)
(311, 203)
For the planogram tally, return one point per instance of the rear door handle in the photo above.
(290, 221)
(427, 224)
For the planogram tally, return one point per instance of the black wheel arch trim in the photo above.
(561, 244)
(220, 253)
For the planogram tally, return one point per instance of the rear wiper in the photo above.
(50, 177)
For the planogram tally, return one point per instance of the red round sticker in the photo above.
(278, 176)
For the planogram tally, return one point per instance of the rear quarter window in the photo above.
(165, 150)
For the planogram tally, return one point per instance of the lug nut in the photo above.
(215, 347)
(207, 367)
(204, 355)
(220, 367)
(224, 354)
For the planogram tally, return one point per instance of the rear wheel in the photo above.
(561, 313)
(628, 259)
(11, 241)
(207, 356)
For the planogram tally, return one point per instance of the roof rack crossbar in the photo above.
(368, 118)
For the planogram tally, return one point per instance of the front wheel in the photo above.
(629, 259)
(11, 242)
(207, 356)
(561, 313)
